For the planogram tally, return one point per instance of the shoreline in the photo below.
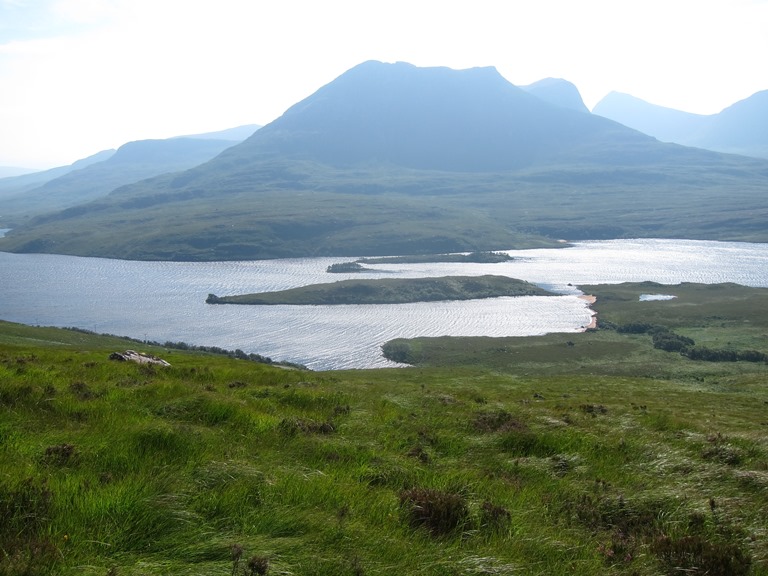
(590, 299)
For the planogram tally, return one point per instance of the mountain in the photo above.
(666, 124)
(395, 159)
(10, 171)
(236, 134)
(739, 129)
(429, 118)
(558, 92)
(98, 175)
(12, 185)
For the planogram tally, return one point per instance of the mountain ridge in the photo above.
(395, 159)
(559, 92)
(741, 128)
(90, 178)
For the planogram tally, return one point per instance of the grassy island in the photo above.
(391, 291)
(472, 257)
(347, 267)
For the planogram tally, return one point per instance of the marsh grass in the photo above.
(110, 468)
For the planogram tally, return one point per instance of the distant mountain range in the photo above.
(11, 185)
(739, 129)
(558, 92)
(8, 171)
(101, 173)
(395, 159)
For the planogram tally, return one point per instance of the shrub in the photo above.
(631, 518)
(59, 455)
(696, 555)
(399, 351)
(752, 356)
(258, 565)
(671, 342)
(439, 512)
(290, 426)
(526, 443)
(636, 328)
(25, 547)
(499, 420)
(724, 453)
(494, 518)
(712, 355)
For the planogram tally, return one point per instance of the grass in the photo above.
(563, 454)
(606, 456)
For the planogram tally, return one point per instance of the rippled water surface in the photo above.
(166, 300)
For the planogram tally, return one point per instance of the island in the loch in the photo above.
(470, 257)
(391, 291)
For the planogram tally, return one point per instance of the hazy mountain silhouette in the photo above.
(739, 129)
(391, 158)
(10, 171)
(15, 184)
(430, 118)
(98, 175)
(236, 134)
(558, 92)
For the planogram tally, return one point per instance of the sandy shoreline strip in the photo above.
(591, 299)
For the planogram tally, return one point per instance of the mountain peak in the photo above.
(426, 118)
(741, 128)
(558, 92)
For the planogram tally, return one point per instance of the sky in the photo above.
(80, 76)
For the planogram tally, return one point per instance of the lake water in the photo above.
(166, 300)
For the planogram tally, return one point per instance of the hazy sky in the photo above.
(79, 76)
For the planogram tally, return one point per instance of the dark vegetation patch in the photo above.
(439, 512)
(60, 455)
(292, 426)
(699, 556)
(498, 421)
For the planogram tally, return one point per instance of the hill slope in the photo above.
(390, 158)
(101, 173)
(13, 185)
(739, 129)
(558, 459)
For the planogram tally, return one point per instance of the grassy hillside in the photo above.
(311, 210)
(602, 456)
